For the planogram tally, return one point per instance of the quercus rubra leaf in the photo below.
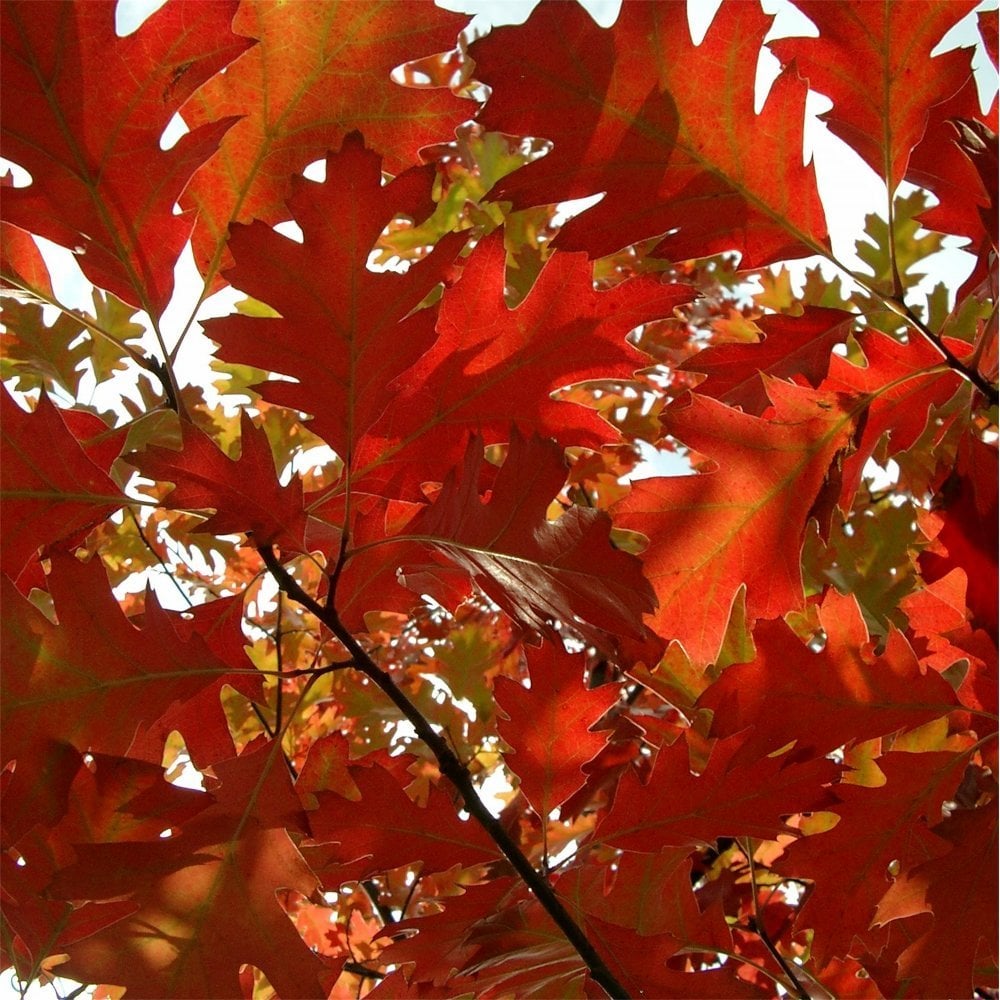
(101, 184)
(878, 829)
(951, 886)
(343, 332)
(791, 346)
(200, 718)
(94, 679)
(245, 494)
(387, 824)
(873, 61)
(309, 81)
(651, 894)
(206, 897)
(905, 381)
(538, 571)
(490, 362)
(51, 489)
(758, 752)
(742, 523)
(548, 727)
(842, 693)
(678, 808)
(21, 263)
(970, 530)
(942, 163)
(666, 129)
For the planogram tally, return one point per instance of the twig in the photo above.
(973, 375)
(757, 926)
(453, 770)
(357, 969)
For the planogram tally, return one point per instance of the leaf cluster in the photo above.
(476, 591)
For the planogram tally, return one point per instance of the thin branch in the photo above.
(375, 898)
(262, 719)
(761, 931)
(337, 569)
(972, 374)
(357, 969)
(452, 768)
(159, 558)
(279, 664)
(409, 897)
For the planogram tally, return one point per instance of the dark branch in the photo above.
(972, 374)
(452, 768)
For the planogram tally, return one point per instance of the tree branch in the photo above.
(757, 926)
(452, 768)
(972, 374)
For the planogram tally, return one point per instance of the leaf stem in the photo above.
(452, 768)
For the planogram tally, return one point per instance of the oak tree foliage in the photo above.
(356, 650)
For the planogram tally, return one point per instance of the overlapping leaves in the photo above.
(711, 756)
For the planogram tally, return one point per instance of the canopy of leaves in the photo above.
(372, 653)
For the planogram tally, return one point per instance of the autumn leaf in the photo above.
(949, 886)
(387, 824)
(801, 346)
(742, 523)
(229, 860)
(344, 333)
(538, 571)
(729, 799)
(539, 721)
(489, 362)
(665, 129)
(307, 82)
(101, 183)
(879, 107)
(878, 830)
(245, 494)
(115, 677)
(844, 690)
(51, 489)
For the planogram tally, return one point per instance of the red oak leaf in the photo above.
(441, 943)
(537, 570)
(21, 261)
(388, 825)
(743, 523)
(200, 718)
(952, 886)
(100, 181)
(841, 694)
(942, 164)
(245, 494)
(798, 345)
(873, 61)
(878, 828)
(653, 977)
(344, 332)
(548, 726)
(51, 489)
(206, 897)
(309, 81)
(651, 894)
(491, 362)
(665, 128)
(969, 535)
(902, 395)
(93, 679)
(680, 809)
